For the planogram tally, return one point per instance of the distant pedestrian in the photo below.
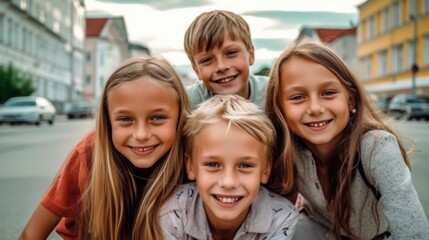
(119, 175)
(349, 167)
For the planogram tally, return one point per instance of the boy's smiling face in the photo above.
(225, 69)
(228, 165)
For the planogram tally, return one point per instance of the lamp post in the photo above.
(414, 67)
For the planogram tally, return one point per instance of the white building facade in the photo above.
(45, 41)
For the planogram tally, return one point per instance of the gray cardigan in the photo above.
(399, 208)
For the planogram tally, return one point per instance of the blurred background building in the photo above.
(393, 46)
(44, 40)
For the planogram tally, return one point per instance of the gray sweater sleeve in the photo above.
(399, 199)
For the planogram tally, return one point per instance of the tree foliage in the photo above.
(264, 71)
(12, 83)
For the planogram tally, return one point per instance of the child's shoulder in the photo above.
(375, 137)
(180, 199)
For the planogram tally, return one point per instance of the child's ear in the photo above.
(251, 55)
(352, 103)
(267, 172)
(189, 167)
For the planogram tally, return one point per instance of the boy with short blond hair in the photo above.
(229, 151)
(219, 45)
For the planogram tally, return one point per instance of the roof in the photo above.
(94, 26)
(328, 35)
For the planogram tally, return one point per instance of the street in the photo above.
(30, 156)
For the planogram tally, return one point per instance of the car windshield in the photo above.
(417, 100)
(20, 104)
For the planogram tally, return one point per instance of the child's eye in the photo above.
(329, 93)
(232, 53)
(205, 61)
(297, 98)
(212, 165)
(158, 118)
(246, 165)
(124, 119)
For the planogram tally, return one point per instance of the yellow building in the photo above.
(393, 35)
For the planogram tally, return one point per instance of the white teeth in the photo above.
(225, 80)
(227, 200)
(320, 124)
(143, 149)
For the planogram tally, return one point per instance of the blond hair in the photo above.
(367, 116)
(110, 202)
(208, 30)
(236, 111)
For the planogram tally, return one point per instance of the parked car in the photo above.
(32, 110)
(81, 110)
(383, 102)
(403, 106)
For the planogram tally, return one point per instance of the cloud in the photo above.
(164, 4)
(290, 19)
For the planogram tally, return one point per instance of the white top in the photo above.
(399, 207)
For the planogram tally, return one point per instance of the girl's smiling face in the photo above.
(143, 116)
(314, 103)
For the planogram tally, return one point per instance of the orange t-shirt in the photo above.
(63, 195)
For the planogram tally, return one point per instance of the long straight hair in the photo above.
(341, 173)
(108, 207)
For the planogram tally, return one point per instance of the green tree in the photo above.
(264, 71)
(12, 83)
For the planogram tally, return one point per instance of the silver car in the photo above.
(32, 110)
(405, 106)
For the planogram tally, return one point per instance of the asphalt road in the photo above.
(30, 156)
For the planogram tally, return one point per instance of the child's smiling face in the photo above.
(228, 165)
(225, 69)
(314, 103)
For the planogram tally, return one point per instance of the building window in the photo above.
(371, 28)
(366, 67)
(425, 6)
(397, 58)
(382, 63)
(396, 14)
(88, 56)
(426, 50)
(384, 20)
(412, 8)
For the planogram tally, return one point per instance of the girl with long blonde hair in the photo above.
(137, 160)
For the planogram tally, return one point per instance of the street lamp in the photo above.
(414, 67)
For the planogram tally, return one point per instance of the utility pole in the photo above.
(414, 67)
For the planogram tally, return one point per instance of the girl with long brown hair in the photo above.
(337, 152)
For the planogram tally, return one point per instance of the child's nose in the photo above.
(222, 64)
(228, 179)
(142, 132)
(315, 107)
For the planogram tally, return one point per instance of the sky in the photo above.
(161, 24)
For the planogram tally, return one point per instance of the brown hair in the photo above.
(341, 174)
(208, 31)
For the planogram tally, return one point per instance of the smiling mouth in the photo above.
(227, 200)
(318, 124)
(225, 80)
(143, 149)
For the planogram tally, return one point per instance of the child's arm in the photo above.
(401, 205)
(40, 225)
